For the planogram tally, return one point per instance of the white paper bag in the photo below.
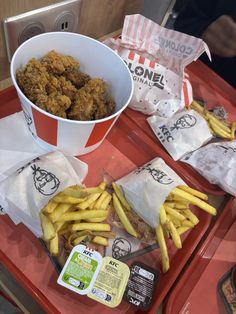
(217, 163)
(29, 189)
(17, 145)
(185, 132)
(147, 187)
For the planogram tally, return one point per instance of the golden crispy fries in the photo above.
(182, 229)
(120, 196)
(216, 121)
(194, 200)
(100, 200)
(194, 192)
(218, 130)
(196, 106)
(90, 226)
(233, 128)
(47, 227)
(60, 225)
(75, 191)
(54, 245)
(174, 234)
(77, 241)
(163, 249)
(99, 219)
(174, 213)
(162, 215)
(175, 221)
(102, 185)
(82, 215)
(49, 208)
(93, 190)
(106, 202)
(187, 223)
(58, 211)
(104, 234)
(177, 204)
(190, 215)
(100, 240)
(122, 216)
(88, 201)
(63, 198)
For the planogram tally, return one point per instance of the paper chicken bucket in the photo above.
(73, 137)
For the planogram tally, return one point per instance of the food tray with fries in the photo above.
(184, 219)
(215, 101)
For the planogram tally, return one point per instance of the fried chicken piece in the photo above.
(55, 104)
(77, 78)
(57, 63)
(91, 102)
(33, 79)
(60, 85)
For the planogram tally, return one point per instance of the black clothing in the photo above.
(195, 18)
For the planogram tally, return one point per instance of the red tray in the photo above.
(209, 87)
(215, 258)
(125, 148)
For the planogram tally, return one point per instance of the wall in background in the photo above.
(97, 18)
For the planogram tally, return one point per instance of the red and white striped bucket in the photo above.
(96, 59)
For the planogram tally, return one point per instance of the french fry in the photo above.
(60, 225)
(77, 240)
(100, 240)
(122, 216)
(58, 211)
(54, 245)
(105, 234)
(100, 200)
(196, 106)
(194, 192)
(174, 234)
(187, 223)
(216, 121)
(120, 196)
(163, 249)
(182, 229)
(194, 200)
(90, 226)
(162, 215)
(175, 221)
(98, 219)
(174, 213)
(63, 198)
(106, 202)
(177, 204)
(190, 215)
(88, 201)
(82, 215)
(47, 227)
(233, 128)
(75, 191)
(102, 185)
(93, 190)
(49, 208)
(218, 131)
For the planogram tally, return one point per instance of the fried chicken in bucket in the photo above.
(56, 85)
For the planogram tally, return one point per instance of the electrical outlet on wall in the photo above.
(59, 17)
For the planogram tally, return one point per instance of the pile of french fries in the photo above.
(176, 218)
(80, 213)
(218, 127)
(77, 213)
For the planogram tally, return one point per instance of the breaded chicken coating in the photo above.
(91, 102)
(57, 63)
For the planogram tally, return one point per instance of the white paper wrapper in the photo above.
(17, 145)
(147, 187)
(185, 132)
(157, 57)
(29, 189)
(217, 163)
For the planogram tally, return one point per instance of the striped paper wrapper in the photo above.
(157, 57)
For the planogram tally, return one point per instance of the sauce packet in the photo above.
(185, 132)
(147, 188)
(80, 270)
(217, 163)
(141, 285)
(157, 57)
(111, 282)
